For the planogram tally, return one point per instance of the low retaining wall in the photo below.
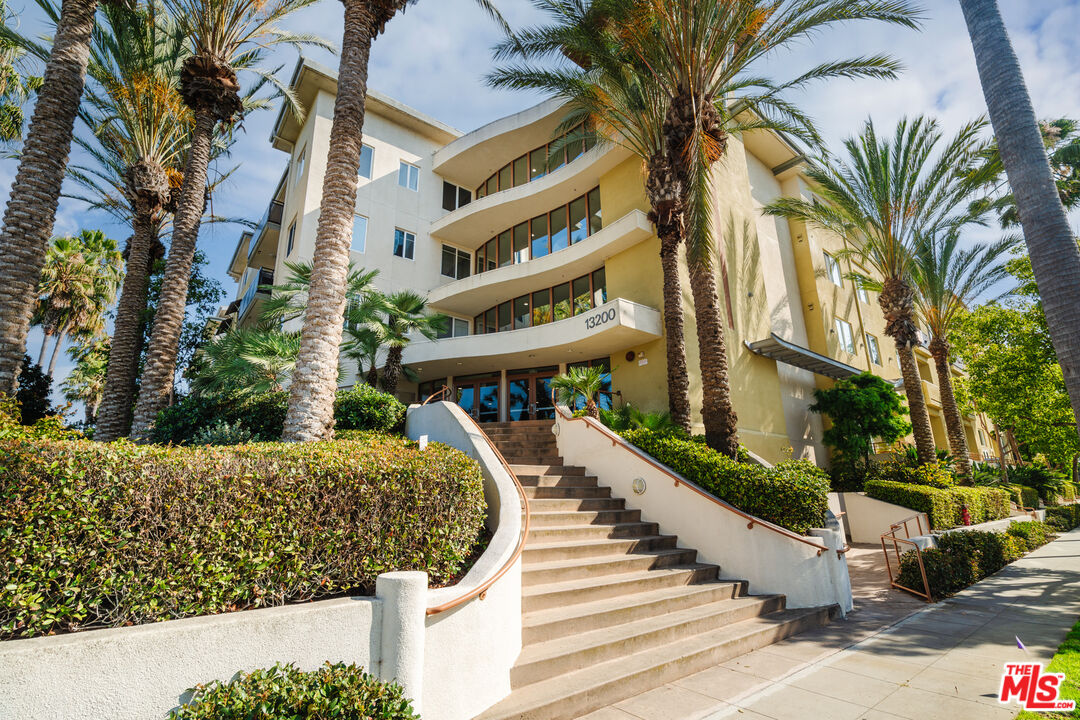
(772, 562)
(454, 664)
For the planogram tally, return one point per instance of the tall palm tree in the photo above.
(949, 278)
(407, 315)
(613, 95)
(706, 54)
(86, 381)
(881, 199)
(311, 396)
(224, 36)
(31, 207)
(1055, 257)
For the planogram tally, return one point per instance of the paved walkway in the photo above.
(895, 657)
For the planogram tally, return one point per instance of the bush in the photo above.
(95, 535)
(283, 692)
(358, 408)
(943, 506)
(793, 495)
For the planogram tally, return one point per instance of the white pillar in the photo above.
(404, 609)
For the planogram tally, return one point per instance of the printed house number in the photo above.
(602, 318)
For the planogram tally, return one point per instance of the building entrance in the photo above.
(528, 394)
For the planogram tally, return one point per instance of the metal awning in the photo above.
(784, 351)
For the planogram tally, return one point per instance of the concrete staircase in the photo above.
(612, 607)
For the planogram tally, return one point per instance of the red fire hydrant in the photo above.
(965, 514)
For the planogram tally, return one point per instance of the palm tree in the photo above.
(949, 278)
(31, 207)
(706, 55)
(1055, 257)
(224, 36)
(86, 381)
(881, 199)
(613, 95)
(311, 396)
(583, 382)
(406, 315)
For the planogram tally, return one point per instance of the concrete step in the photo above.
(547, 625)
(557, 480)
(566, 533)
(565, 492)
(544, 469)
(563, 570)
(577, 693)
(592, 517)
(580, 549)
(571, 504)
(592, 589)
(564, 655)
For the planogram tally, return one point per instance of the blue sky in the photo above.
(435, 55)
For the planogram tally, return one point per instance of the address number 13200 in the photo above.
(600, 318)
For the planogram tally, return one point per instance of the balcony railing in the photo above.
(265, 277)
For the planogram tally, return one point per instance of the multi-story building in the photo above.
(543, 262)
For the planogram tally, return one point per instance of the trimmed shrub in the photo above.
(95, 535)
(793, 495)
(358, 408)
(943, 506)
(283, 692)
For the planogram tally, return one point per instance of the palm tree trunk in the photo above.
(56, 351)
(721, 422)
(31, 208)
(311, 397)
(157, 376)
(939, 348)
(920, 416)
(118, 395)
(392, 369)
(1055, 257)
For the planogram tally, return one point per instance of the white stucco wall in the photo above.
(770, 561)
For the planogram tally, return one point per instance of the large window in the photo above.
(538, 163)
(454, 197)
(455, 262)
(873, 348)
(544, 234)
(404, 244)
(544, 306)
(409, 176)
(359, 234)
(844, 336)
(832, 268)
(367, 161)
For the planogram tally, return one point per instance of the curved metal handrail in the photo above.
(481, 590)
(617, 440)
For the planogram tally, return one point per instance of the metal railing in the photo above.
(753, 521)
(481, 590)
(906, 541)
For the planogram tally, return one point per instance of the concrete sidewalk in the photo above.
(941, 661)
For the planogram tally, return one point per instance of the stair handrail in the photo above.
(680, 481)
(481, 589)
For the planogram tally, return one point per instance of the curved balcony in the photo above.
(474, 224)
(611, 328)
(477, 293)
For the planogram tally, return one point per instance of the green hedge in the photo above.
(103, 535)
(793, 494)
(943, 506)
(964, 557)
(283, 692)
(358, 408)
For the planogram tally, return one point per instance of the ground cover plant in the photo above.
(793, 495)
(964, 557)
(95, 535)
(283, 692)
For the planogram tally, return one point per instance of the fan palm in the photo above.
(1055, 257)
(949, 278)
(223, 36)
(407, 315)
(86, 381)
(311, 397)
(580, 382)
(881, 199)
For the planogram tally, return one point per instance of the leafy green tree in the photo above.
(861, 408)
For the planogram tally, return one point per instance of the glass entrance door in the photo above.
(479, 399)
(529, 394)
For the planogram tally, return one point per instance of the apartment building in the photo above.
(545, 262)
